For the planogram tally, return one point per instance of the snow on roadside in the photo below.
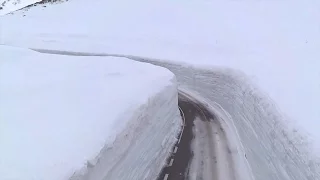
(273, 43)
(77, 117)
(258, 132)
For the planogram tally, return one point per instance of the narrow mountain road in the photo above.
(201, 152)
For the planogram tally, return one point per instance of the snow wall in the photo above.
(271, 150)
(142, 148)
(64, 99)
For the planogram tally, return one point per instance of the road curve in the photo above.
(262, 147)
(209, 156)
(201, 152)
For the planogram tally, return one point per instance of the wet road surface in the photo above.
(202, 152)
(178, 164)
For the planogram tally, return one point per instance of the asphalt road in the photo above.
(195, 155)
(202, 152)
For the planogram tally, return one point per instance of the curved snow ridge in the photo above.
(271, 150)
(265, 145)
(58, 115)
(140, 151)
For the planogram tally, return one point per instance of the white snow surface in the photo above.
(263, 52)
(65, 117)
(7, 6)
(276, 43)
(263, 144)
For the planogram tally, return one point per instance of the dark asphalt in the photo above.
(182, 157)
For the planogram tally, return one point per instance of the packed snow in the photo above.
(258, 132)
(275, 43)
(81, 117)
(259, 56)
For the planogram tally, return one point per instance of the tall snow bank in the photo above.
(275, 43)
(84, 117)
(271, 147)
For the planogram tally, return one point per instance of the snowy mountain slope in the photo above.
(273, 44)
(82, 117)
(276, 43)
(7, 6)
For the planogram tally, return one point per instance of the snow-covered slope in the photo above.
(84, 117)
(275, 43)
(7, 6)
(269, 48)
(261, 133)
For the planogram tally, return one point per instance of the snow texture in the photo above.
(271, 149)
(84, 117)
(258, 60)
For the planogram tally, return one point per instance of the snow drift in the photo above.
(271, 149)
(84, 117)
(274, 44)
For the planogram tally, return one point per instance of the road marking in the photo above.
(171, 162)
(175, 149)
(184, 124)
(166, 177)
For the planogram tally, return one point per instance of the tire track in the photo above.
(194, 157)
